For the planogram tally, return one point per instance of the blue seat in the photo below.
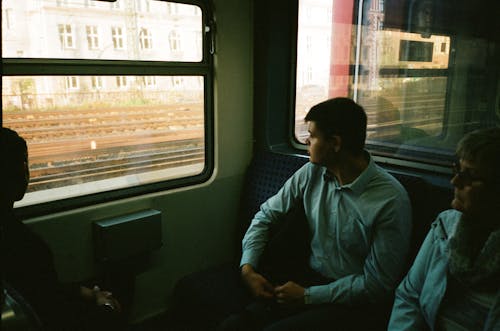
(212, 294)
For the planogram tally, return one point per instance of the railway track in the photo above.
(40, 126)
(154, 159)
(68, 147)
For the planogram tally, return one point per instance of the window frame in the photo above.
(276, 93)
(439, 165)
(88, 67)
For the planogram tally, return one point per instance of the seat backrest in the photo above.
(418, 192)
(266, 174)
(427, 201)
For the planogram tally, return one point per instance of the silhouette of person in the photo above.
(422, 17)
(389, 126)
(27, 263)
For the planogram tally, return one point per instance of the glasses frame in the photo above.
(465, 176)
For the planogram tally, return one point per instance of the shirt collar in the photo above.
(360, 183)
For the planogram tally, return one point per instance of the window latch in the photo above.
(210, 31)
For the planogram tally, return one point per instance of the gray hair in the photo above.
(482, 147)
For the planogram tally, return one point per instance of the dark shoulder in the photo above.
(22, 245)
(19, 234)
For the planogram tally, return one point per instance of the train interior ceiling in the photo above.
(143, 116)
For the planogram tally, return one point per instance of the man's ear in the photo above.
(336, 143)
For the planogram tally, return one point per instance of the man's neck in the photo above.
(349, 168)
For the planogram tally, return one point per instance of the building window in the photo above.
(92, 36)
(96, 82)
(145, 39)
(172, 9)
(309, 43)
(176, 82)
(443, 47)
(309, 74)
(90, 3)
(121, 81)
(115, 5)
(8, 18)
(149, 81)
(117, 36)
(62, 3)
(66, 36)
(72, 83)
(174, 41)
(129, 113)
(143, 6)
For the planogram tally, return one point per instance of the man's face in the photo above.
(319, 147)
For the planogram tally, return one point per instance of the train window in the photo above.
(424, 70)
(120, 30)
(105, 101)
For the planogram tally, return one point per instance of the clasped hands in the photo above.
(100, 297)
(288, 293)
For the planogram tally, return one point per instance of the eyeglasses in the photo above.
(464, 175)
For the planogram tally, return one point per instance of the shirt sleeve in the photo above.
(383, 266)
(406, 312)
(419, 295)
(270, 211)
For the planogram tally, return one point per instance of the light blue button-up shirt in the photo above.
(360, 232)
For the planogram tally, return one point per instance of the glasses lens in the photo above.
(464, 175)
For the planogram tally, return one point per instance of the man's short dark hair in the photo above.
(342, 117)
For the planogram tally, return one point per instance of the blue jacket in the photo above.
(419, 295)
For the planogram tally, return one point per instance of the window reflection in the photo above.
(425, 70)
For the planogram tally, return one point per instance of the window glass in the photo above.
(421, 69)
(86, 134)
(94, 125)
(88, 29)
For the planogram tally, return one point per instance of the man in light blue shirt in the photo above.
(359, 219)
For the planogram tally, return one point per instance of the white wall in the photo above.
(199, 222)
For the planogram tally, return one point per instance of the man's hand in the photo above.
(100, 298)
(289, 293)
(258, 285)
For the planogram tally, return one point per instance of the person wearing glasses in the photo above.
(454, 283)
